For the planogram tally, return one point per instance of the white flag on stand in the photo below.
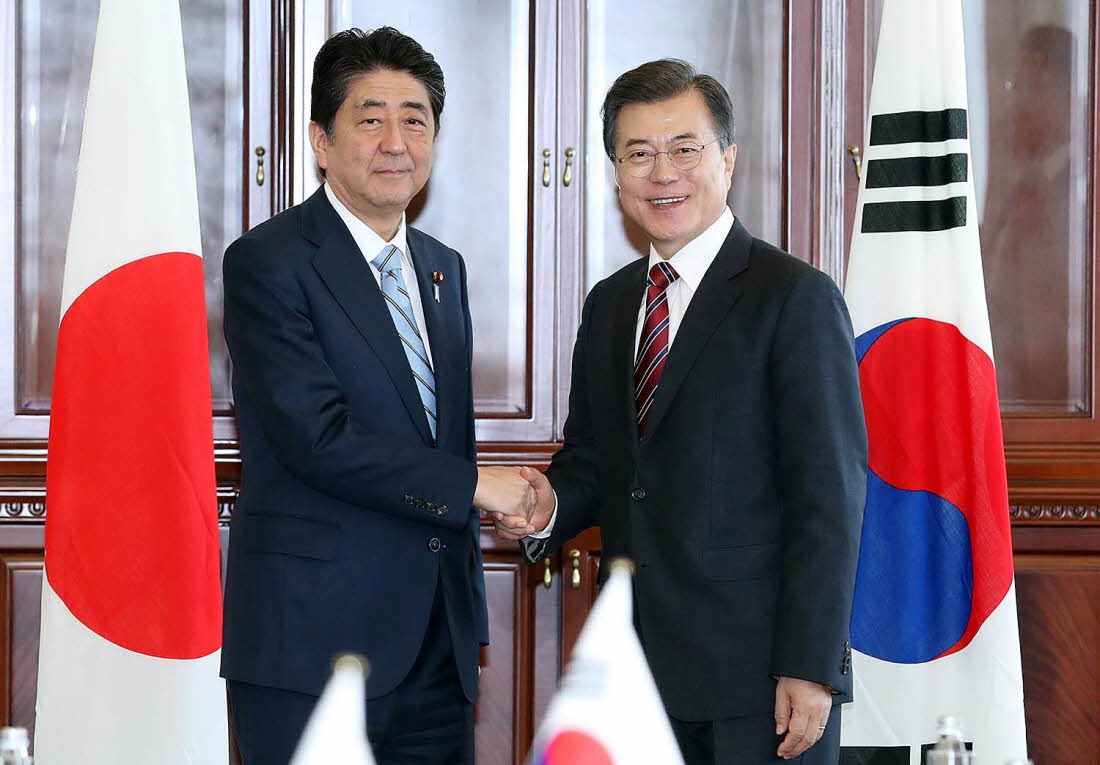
(336, 731)
(607, 711)
(934, 627)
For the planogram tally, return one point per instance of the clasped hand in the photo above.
(520, 500)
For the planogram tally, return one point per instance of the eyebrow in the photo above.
(646, 141)
(367, 103)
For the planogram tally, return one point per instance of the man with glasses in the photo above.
(716, 437)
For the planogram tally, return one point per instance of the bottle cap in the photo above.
(948, 725)
(353, 661)
(12, 737)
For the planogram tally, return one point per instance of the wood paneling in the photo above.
(802, 202)
(547, 641)
(500, 732)
(1058, 599)
(20, 608)
(580, 567)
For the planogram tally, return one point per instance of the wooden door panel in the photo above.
(547, 664)
(21, 600)
(1058, 600)
(497, 708)
(580, 567)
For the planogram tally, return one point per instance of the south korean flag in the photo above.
(934, 627)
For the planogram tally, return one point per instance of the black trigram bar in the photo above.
(936, 215)
(884, 755)
(925, 748)
(916, 171)
(874, 755)
(912, 127)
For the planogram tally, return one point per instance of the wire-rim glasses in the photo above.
(683, 155)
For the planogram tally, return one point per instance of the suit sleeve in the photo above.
(821, 444)
(477, 580)
(299, 403)
(573, 471)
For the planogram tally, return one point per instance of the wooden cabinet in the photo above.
(1058, 598)
(523, 189)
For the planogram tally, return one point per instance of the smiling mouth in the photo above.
(667, 201)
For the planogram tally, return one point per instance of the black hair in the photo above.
(353, 52)
(661, 80)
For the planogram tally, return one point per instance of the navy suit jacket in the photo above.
(349, 513)
(741, 505)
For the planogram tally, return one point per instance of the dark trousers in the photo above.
(426, 719)
(750, 741)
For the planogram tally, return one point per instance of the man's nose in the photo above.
(663, 170)
(393, 142)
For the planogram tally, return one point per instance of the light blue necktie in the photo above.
(388, 263)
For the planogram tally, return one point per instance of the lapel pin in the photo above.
(437, 279)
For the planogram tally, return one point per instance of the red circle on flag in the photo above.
(132, 534)
(572, 747)
(934, 425)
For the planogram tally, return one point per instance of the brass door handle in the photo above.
(567, 176)
(260, 165)
(545, 167)
(547, 580)
(575, 557)
(857, 160)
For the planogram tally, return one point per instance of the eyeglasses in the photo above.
(684, 155)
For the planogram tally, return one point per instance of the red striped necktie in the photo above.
(653, 346)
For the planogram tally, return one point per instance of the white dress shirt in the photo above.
(691, 263)
(370, 244)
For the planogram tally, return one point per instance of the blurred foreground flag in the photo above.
(131, 600)
(336, 731)
(607, 711)
(934, 620)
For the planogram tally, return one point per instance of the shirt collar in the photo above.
(370, 244)
(695, 257)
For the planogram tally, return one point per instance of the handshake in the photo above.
(519, 500)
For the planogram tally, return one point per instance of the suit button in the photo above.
(638, 495)
(434, 544)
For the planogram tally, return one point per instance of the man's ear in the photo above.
(318, 139)
(729, 159)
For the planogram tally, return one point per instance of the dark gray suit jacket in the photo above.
(741, 506)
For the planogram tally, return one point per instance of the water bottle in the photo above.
(949, 748)
(14, 744)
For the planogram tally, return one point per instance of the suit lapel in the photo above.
(442, 318)
(713, 299)
(345, 271)
(624, 327)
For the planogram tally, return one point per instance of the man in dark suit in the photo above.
(351, 345)
(716, 437)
